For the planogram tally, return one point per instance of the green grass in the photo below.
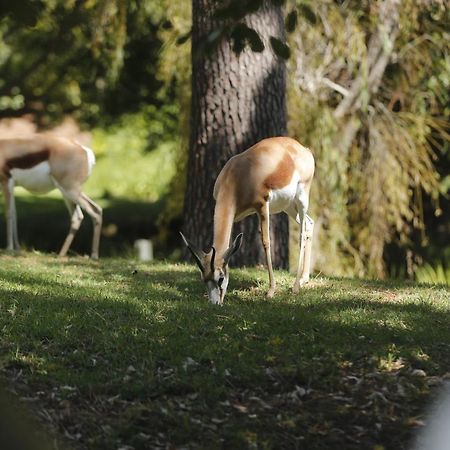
(116, 352)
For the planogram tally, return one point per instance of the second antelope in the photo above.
(40, 164)
(274, 175)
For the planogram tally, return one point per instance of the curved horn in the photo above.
(212, 258)
(195, 252)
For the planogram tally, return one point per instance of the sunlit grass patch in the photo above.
(135, 349)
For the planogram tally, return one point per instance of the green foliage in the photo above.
(184, 38)
(332, 227)
(141, 360)
(433, 274)
(280, 48)
(174, 68)
(97, 61)
(375, 162)
(91, 59)
(291, 21)
(136, 157)
(242, 35)
(308, 13)
(104, 61)
(231, 25)
(238, 9)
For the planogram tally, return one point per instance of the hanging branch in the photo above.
(379, 52)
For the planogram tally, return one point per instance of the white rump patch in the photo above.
(90, 156)
(36, 179)
(282, 199)
(303, 197)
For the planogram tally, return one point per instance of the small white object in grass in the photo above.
(144, 249)
(188, 362)
(436, 434)
(131, 369)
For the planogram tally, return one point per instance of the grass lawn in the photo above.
(118, 354)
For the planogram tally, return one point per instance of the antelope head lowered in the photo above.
(214, 268)
(273, 176)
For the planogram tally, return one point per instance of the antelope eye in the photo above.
(220, 281)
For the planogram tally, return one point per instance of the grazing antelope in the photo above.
(274, 175)
(41, 163)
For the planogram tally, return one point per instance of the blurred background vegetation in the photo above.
(116, 75)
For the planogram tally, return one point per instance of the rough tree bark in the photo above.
(237, 100)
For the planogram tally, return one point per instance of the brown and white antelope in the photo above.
(41, 163)
(274, 175)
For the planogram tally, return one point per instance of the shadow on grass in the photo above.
(336, 312)
(181, 349)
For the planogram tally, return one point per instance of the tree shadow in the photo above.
(180, 347)
(43, 224)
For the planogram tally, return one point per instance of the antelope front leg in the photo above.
(93, 210)
(96, 213)
(309, 230)
(76, 217)
(304, 260)
(264, 219)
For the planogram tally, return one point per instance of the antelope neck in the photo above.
(224, 213)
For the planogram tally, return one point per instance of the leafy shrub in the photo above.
(433, 274)
(136, 156)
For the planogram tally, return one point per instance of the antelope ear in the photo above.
(196, 253)
(232, 249)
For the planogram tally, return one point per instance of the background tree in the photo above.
(376, 73)
(92, 60)
(237, 100)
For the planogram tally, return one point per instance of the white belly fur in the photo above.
(291, 199)
(37, 179)
(282, 199)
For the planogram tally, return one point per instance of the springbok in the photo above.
(41, 163)
(274, 175)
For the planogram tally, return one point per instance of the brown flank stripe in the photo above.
(26, 161)
(282, 175)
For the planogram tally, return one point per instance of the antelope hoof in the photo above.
(270, 293)
(304, 281)
(297, 286)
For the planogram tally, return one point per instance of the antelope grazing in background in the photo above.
(274, 175)
(41, 163)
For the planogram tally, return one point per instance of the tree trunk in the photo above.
(237, 100)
